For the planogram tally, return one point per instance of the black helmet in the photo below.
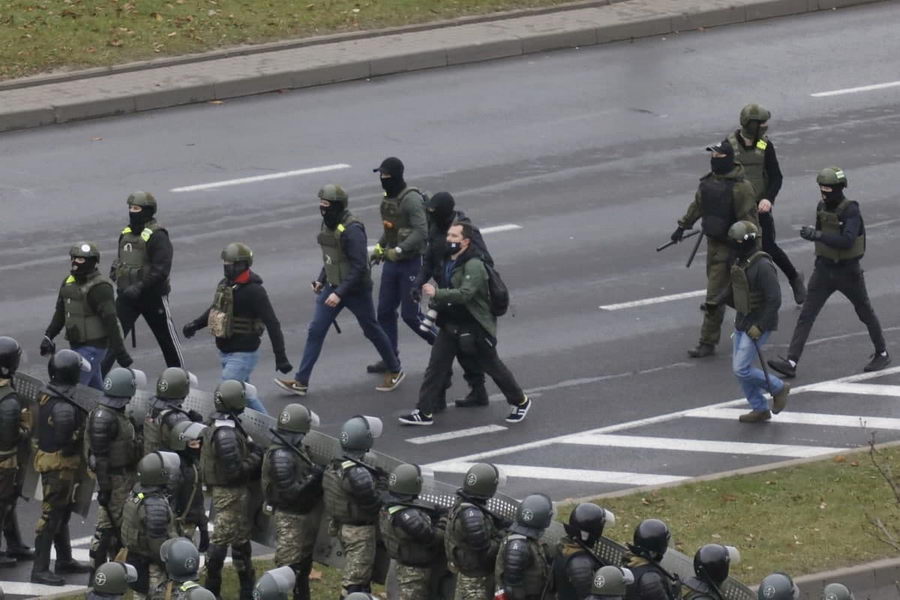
(587, 521)
(10, 355)
(712, 561)
(64, 367)
(651, 539)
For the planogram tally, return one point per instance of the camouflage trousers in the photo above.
(295, 535)
(474, 588)
(157, 575)
(358, 544)
(231, 525)
(109, 517)
(58, 487)
(413, 582)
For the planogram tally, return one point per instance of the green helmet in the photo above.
(173, 384)
(754, 112)
(482, 480)
(199, 593)
(181, 558)
(120, 383)
(275, 584)
(334, 193)
(359, 433)
(837, 591)
(296, 418)
(158, 468)
(84, 250)
(112, 578)
(406, 480)
(183, 433)
(533, 516)
(777, 586)
(743, 231)
(230, 396)
(611, 581)
(359, 596)
(143, 199)
(831, 176)
(237, 252)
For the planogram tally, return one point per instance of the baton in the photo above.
(133, 337)
(694, 251)
(762, 362)
(336, 326)
(673, 242)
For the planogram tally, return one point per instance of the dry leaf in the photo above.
(115, 43)
(173, 34)
(156, 16)
(855, 463)
(840, 458)
(315, 575)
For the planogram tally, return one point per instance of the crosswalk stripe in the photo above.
(687, 445)
(77, 553)
(452, 435)
(866, 389)
(800, 418)
(36, 590)
(581, 475)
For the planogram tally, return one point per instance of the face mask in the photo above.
(452, 248)
(745, 249)
(721, 165)
(392, 186)
(762, 130)
(83, 268)
(136, 221)
(833, 198)
(233, 270)
(331, 215)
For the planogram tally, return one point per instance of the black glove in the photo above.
(810, 233)
(194, 416)
(678, 234)
(416, 294)
(133, 292)
(317, 472)
(124, 359)
(204, 539)
(189, 330)
(47, 346)
(708, 307)
(283, 364)
(103, 497)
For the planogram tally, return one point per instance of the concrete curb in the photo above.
(299, 64)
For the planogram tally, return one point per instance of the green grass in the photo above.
(44, 35)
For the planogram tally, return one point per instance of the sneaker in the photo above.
(799, 288)
(292, 386)
(879, 361)
(779, 400)
(755, 416)
(783, 366)
(379, 367)
(702, 350)
(416, 417)
(391, 381)
(517, 415)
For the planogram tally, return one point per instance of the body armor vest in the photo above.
(301, 471)
(461, 557)
(83, 324)
(133, 257)
(565, 550)
(695, 589)
(124, 450)
(396, 223)
(831, 222)
(210, 464)
(753, 160)
(400, 546)
(716, 207)
(10, 422)
(339, 505)
(746, 300)
(50, 455)
(536, 577)
(154, 436)
(631, 593)
(222, 323)
(133, 535)
(337, 266)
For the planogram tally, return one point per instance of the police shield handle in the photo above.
(694, 250)
(670, 243)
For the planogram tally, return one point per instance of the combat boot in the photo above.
(40, 569)
(242, 561)
(64, 561)
(755, 416)
(301, 581)
(702, 350)
(14, 545)
(799, 288)
(477, 396)
(215, 560)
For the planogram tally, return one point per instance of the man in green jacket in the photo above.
(466, 326)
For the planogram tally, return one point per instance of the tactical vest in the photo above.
(396, 223)
(565, 590)
(133, 536)
(631, 593)
(301, 505)
(83, 324)
(831, 222)
(746, 300)
(49, 455)
(186, 590)
(337, 265)
(716, 207)
(124, 451)
(536, 578)
(339, 505)
(695, 589)
(210, 465)
(461, 557)
(753, 160)
(133, 256)
(400, 546)
(222, 323)
(154, 437)
(10, 422)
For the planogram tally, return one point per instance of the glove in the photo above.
(283, 364)
(204, 540)
(133, 292)
(754, 332)
(394, 254)
(103, 497)
(708, 307)
(377, 255)
(678, 234)
(189, 330)
(124, 359)
(416, 294)
(809, 233)
(47, 346)
(316, 472)
(194, 416)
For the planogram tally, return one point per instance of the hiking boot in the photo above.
(47, 578)
(702, 350)
(755, 416)
(379, 367)
(517, 415)
(416, 417)
(799, 288)
(783, 366)
(292, 386)
(391, 381)
(476, 397)
(779, 400)
(879, 361)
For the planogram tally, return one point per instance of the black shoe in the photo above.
(20, 552)
(71, 566)
(47, 578)
(783, 366)
(379, 367)
(475, 398)
(702, 350)
(879, 361)
(6, 560)
(799, 288)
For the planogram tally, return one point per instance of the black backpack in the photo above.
(498, 292)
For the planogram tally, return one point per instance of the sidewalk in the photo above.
(292, 65)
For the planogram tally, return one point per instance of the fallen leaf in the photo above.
(728, 497)
(173, 34)
(823, 506)
(315, 575)
(840, 458)
(855, 463)
(115, 43)
(156, 16)
(716, 536)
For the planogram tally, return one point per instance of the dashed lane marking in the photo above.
(452, 435)
(582, 475)
(257, 178)
(687, 445)
(856, 90)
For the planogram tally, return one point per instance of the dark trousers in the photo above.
(767, 223)
(827, 279)
(155, 310)
(473, 343)
(397, 279)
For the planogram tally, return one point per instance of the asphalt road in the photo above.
(593, 154)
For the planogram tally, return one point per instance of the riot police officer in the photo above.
(411, 533)
(711, 565)
(86, 308)
(141, 272)
(275, 584)
(188, 501)
(15, 429)
(147, 518)
(113, 451)
(292, 484)
(474, 534)
(182, 563)
(111, 581)
(60, 435)
(166, 411)
(610, 583)
(229, 460)
(837, 591)
(575, 561)
(778, 586)
(723, 197)
(352, 502)
(840, 239)
(651, 581)
(523, 562)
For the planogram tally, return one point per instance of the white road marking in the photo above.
(801, 418)
(583, 475)
(229, 182)
(36, 590)
(656, 300)
(83, 554)
(865, 389)
(452, 435)
(491, 229)
(82, 540)
(856, 90)
(686, 445)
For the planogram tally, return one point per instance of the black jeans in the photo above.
(473, 343)
(827, 279)
(155, 310)
(767, 224)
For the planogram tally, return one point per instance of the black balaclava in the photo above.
(136, 220)
(745, 249)
(440, 209)
(83, 269)
(331, 216)
(394, 184)
(233, 271)
(834, 197)
(724, 164)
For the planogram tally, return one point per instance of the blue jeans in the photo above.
(752, 380)
(397, 279)
(360, 304)
(239, 365)
(93, 355)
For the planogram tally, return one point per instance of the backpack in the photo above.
(497, 291)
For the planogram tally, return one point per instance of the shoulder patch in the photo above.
(762, 144)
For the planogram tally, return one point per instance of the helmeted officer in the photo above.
(723, 197)
(837, 591)
(840, 239)
(147, 518)
(344, 281)
(275, 584)
(240, 313)
(141, 272)
(181, 560)
(229, 459)
(474, 534)
(352, 502)
(610, 583)
(411, 533)
(60, 439)
(111, 581)
(711, 565)
(114, 450)
(86, 308)
(166, 410)
(523, 562)
(575, 561)
(777, 586)
(292, 484)
(188, 502)
(15, 430)
(651, 581)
